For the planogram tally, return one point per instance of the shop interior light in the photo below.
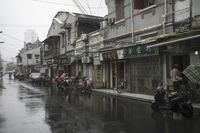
(196, 52)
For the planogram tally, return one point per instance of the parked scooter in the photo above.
(85, 85)
(178, 102)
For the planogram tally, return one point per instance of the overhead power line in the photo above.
(21, 25)
(63, 4)
(82, 6)
(79, 7)
(100, 4)
(88, 6)
(14, 38)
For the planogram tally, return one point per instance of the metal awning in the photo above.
(50, 37)
(173, 41)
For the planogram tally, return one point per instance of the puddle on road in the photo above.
(96, 113)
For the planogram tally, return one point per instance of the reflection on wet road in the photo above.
(25, 110)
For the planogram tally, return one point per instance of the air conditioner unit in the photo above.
(73, 42)
(103, 24)
(84, 36)
(111, 21)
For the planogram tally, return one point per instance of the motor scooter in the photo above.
(177, 102)
(85, 85)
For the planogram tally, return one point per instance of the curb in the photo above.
(133, 96)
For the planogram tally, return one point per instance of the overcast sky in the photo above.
(16, 16)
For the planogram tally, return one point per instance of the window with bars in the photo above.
(63, 40)
(68, 35)
(37, 56)
(29, 56)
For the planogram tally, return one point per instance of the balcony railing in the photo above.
(51, 53)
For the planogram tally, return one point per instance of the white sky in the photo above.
(16, 16)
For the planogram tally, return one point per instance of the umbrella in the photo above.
(192, 72)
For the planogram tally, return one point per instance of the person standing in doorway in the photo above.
(175, 77)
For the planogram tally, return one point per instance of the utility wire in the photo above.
(88, 6)
(79, 7)
(82, 6)
(12, 37)
(100, 5)
(62, 4)
(14, 25)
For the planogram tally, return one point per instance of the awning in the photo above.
(50, 37)
(173, 41)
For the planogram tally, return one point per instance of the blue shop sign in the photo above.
(139, 51)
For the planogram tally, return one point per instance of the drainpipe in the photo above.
(190, 14)
(164, 21)
(132, 32)
(173, 13)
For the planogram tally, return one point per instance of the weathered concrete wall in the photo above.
(34, 51)
(144, 20)
(195, 7)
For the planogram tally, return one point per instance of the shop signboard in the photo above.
(120, 54)
(111, 55)
(96, 59)
(49, 62)
(66, 60)
(196, 22)
(139, 51)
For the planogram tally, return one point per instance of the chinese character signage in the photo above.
(112, 55)
(96, 59)
(139, 51)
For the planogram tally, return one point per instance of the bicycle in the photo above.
(121, 86)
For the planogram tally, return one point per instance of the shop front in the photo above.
(97, 76)
(143, 68)
(65, 64)
(183, 51)
(117, 67)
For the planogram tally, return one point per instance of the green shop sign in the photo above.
(139, 51)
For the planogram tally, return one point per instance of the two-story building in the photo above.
(138, 41)
(136, 37)
(66, 28)
(28, 60)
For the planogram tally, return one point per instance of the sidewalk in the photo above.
(134, 96)
(32, 88)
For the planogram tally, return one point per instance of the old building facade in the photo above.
(138, 41)
(60, 50)
(28, 59)
(132, 35)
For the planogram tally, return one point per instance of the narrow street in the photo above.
(33, 110)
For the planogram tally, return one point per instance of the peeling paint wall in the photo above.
(182, 10)
(195, 7)
(150, 17)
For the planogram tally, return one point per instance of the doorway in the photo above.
(117, 73)
(183, 61)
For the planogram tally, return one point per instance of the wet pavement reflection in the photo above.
(29, 110)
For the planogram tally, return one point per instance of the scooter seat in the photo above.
(172, 95)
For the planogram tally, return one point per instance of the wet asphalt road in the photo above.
(25, 110)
